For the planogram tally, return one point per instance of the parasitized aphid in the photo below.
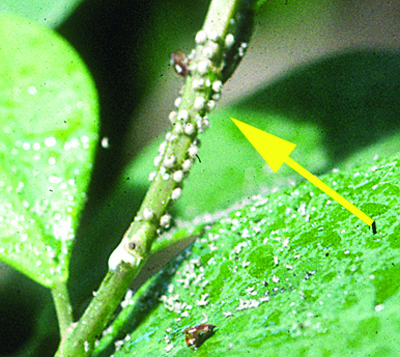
(180, 63)
(197, 335)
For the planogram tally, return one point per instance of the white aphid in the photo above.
(178, 102)
(211, 49)
(192, 67)
(189, 129)
(176, 193)
(169, 161)
(172, 116)
(199, 103)
(162, 147)
(152, 175)
(165, 221)
(187, 164)
(157, 160)
(183, 115)
(202, 67)
(178, 176)
(216, 97)
(213, 36)
(217, 86)
(211, 105)
(148, 214)
(229, 40)
(120, 255)
(201, 37)
(198, 83)
(193, 150)
(178, 128)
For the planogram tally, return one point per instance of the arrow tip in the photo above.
(273, 150)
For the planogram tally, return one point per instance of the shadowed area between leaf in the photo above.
(353, 98)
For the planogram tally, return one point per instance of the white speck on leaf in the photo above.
(50, 141)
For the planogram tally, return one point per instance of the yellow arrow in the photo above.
(275, 151)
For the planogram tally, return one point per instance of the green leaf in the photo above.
(291, 274)
(48, 123)
(340, 111)
(45, 12)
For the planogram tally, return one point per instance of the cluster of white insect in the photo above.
(188, 121)
(190, 117)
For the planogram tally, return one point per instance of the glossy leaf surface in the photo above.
(48, 124)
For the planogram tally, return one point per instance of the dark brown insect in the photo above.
(196, 335)
(180, 63)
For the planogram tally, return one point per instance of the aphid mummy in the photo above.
(152, 175)
(193, 151)
(172, 116)
(183, 115)
(176, 193)
(192, 67)
(148, 214)
(217, 86)
(192, 54)
(199, 103)
(211, 49)
(157, 160)
(162, 147)
(211, 105)
(178, 176)
(178, 102)
(119, 255)
(213, 36)
(178, 128)
(229, 40)
(189, 129)
(165, 221)
(203, 66)
(169, 161)
(198, 83)
(201, 37)
(187, 164)
(180, 63)
(216, 97)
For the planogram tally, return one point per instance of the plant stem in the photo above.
(63, 306)
(170, 247)
(176, 156)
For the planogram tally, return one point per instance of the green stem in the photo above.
(177, 154)
(81, 336)
(63, 306)
(167, 248)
